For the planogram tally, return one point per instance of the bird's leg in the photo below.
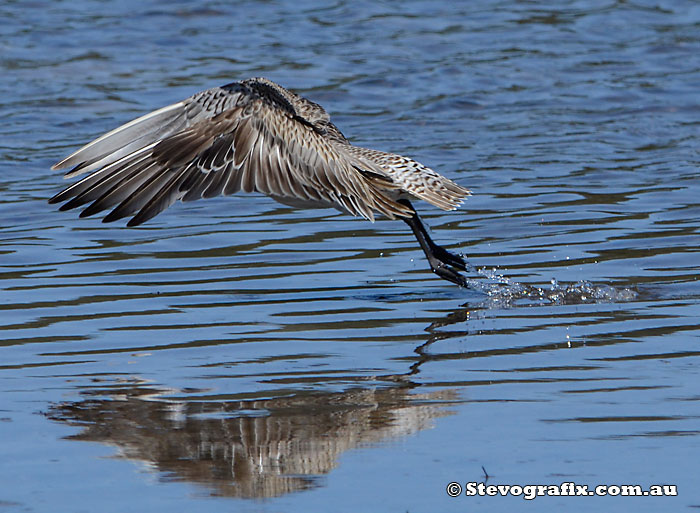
(442, 262)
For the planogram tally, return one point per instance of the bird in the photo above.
(253, 135)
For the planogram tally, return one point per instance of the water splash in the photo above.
(502, 291)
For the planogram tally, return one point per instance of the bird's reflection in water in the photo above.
(249, 448)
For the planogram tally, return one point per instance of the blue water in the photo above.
(236, 354)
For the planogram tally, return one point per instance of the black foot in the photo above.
(448, 258)
(450, 274)
(443, 263)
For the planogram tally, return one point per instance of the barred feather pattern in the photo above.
(416, 179)
(248, 136)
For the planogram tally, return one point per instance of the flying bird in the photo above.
(253, 136)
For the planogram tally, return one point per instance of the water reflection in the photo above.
(247, 448)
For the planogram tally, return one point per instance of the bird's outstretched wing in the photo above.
(219, 141)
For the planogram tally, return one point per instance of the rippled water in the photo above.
(237, 354)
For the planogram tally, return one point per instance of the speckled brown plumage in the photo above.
(250, 136)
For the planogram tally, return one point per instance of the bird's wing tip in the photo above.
(59, 165)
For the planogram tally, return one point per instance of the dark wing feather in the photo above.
(221, 141)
